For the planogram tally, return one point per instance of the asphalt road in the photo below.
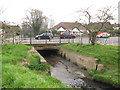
(106, 41)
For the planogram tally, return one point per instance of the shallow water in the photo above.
(70, 74)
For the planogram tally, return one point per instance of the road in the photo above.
(104, 41)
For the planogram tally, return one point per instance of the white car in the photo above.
(103, 35)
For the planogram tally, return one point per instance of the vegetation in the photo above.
(32, 74)
(10, 31)
(95, 23)
(34, 21)
(106, 55)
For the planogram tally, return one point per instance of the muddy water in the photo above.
(70, 74)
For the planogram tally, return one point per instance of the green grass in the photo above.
(35, 75)
(107, 55)
(20, 77)
(14, 53)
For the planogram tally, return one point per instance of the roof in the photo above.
(69, 26)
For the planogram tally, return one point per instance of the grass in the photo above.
(107, 55)
(20, 77)
(34, 75)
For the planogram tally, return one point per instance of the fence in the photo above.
(21, 39)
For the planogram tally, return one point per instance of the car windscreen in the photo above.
(66, 33)
(48, 34)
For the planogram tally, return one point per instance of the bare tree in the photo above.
(51, 22)
(95, 23)
(35, 20)
(1, 11)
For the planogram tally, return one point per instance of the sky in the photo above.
(59, 10)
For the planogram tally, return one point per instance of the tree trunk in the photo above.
(92, 42)
(93, 38)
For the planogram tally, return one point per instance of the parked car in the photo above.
(103, 35)
(44, 36)
(66, 35)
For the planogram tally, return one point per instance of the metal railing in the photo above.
(21, 39)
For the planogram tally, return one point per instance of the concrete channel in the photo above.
(70, 72)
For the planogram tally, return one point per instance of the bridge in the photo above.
(47, 46)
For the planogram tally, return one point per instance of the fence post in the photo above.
(81, 39)
(73, 40)
(30, 38)
(60, 38)
(13, 38)
(46, 38)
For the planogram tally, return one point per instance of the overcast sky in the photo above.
(59, 10)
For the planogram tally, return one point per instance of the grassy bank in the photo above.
(22, 70)
(106, 55)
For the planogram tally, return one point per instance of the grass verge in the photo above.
(14, 75)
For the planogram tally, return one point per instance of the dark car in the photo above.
(67, 35)
(44, 36)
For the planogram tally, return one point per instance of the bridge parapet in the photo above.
(45, 46)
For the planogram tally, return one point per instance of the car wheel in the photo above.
(39, 38)
(61, 37)
(50, 37)
(73, 37)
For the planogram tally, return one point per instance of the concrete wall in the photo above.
(81, 60)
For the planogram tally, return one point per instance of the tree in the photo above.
(1, 11)
(95, 23)
(51, 22)
(10, 32)
(35, 20)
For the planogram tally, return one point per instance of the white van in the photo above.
(103, 35)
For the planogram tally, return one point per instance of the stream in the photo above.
(69, 73)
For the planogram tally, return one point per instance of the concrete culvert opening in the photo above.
(49, 54)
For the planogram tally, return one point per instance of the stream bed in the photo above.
(70, 74)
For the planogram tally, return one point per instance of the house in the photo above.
(116, 26)
(72, 27)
